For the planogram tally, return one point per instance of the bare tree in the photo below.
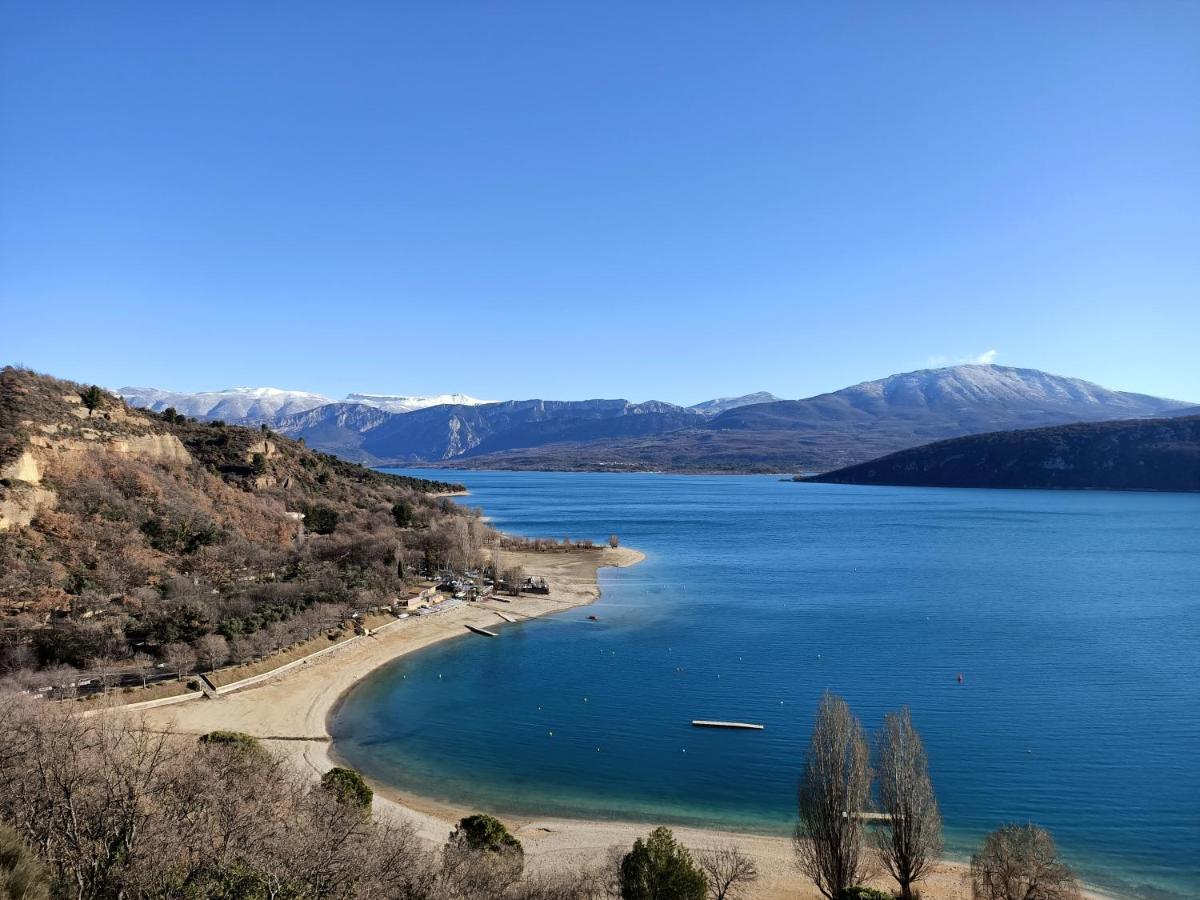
(614, 541)
(212, 650)
(833, 792)
(911, 845)
(514, 576)
(729, 871)
(1020, 862)
(180, 658)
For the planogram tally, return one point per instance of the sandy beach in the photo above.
(290, 714)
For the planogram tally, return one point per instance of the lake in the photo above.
(1074, 619)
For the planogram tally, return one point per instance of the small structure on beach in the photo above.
(420, 600)
(535, 585)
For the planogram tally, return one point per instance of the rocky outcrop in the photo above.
(22, 494)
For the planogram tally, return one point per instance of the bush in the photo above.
(402, 512)
(237, 740)
(660, 868)
(1020, 862)
(481, 832)
(92, 398)
(862, 892)
(348, 788)
(320, 519)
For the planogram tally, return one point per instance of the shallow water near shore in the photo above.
(1074, 619)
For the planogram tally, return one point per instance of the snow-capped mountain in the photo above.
(721, 404)
(240, 406)
(402, 404)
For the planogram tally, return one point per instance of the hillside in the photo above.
(1144, 454)
(124, 531)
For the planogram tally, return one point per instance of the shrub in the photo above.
(862, 892)
(237, 740)
(659, 867)
(348, 788)
(482, 832)
(320, 519)
(93, 398)
(402, 512)
(1020, 862)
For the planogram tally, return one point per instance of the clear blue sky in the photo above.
(640, 199)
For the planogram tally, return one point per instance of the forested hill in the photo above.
(1140, 454)
(124, 531)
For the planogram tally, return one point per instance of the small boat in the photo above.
(709, 723)
(594, 618)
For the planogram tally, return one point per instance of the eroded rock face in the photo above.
(23, 496)
(24, 468)
(263, 447)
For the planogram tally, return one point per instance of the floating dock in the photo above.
(482, 631)
(708, 723)
(505, 616)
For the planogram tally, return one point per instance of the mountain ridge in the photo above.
(746, 433)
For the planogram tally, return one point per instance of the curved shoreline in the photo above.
(293, 711)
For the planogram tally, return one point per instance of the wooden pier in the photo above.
(505, 616)
(708, 723)
(482, 631)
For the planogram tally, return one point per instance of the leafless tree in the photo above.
(115, 810)
(212, 650)
(1020, 862)
(106, 669)
(834, 790)
(472, 874)
(514, 576)
(729, 871)
(180, 658)
(614, 541)
(911, 844)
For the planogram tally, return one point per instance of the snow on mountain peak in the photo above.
(400, 403)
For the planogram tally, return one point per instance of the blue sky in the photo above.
(639, 199)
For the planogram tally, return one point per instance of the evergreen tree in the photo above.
(660, 868)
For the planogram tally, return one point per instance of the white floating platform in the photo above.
(505, 616)
(482, 631)
(708, 723)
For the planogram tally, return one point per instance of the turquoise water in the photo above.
(1073, 617)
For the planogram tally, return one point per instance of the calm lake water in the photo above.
(1073, 617)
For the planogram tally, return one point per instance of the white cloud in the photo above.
(980, 359)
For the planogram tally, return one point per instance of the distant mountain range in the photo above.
(1142, 454)
(266, 405)
(755, 432)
